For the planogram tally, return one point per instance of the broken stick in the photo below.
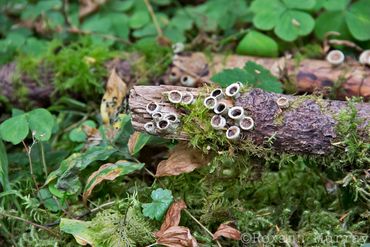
(308, 125)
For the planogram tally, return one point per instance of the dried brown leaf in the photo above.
(114, 95)
(177, 236)
(172, 218)
(182, 159)
(96, 179)
(132, 141)
(227, 231)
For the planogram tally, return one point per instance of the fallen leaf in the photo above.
(182, 159)
(79, 229)
(109, 171)
(227, 231)
(177, 236)
(172, 218)
(137, 141)
(114, 95)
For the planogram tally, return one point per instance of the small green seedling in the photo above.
(39, 121)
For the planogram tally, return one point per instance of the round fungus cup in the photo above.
(236, 112)
(282, 102)
(163, 125)
(246, 123)
(210, 102)
(157, 116)
(153, 107)
(221, 108)
(365, 57)
(233, 90)
(233, 133)
(171, 117)
(175, 96)
(187, 81)
(335, 57)
(218, 122)
(187, 98)
(149, 127)
(217, 93)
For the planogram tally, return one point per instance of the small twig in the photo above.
(30, 222)
(201, 225)
(154, 18)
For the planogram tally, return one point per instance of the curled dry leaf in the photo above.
(172, 218)
(109, 171)
(228, 231)
(182, 159)
(177, 236)
(114, 95)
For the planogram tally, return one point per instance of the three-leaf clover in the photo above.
(346, 19)
(162, 199)
(286, 17)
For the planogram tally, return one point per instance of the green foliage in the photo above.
(78, 68)
(289, 19)
(252, 74)
(162, 199)
(4, 176)
(111, 228)
(69, 169)
(257, 44)
(345, 18)
(16, 129)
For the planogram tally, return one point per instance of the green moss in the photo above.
(78, 67)
(351, 147)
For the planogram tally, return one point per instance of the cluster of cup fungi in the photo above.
(336, 57)
(226, 116)
(166, 122)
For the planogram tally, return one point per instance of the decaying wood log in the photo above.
(349, 79)
(308, 125)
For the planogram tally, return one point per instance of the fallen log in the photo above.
(308, 75)
(308, 125)
(348, 79)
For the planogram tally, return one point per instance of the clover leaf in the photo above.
(286, 17)
(346, 19)
(162, 199)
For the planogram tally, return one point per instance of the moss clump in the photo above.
(351, 148)
(196, 124)
(77, 68)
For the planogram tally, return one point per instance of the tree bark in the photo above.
(349, 79)
(308, 125)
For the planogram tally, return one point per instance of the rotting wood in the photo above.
(307, 126)
(349, 79)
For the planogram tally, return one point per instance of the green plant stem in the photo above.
(201, 225)
(28, 150)
(154, 18)
(43, 160)
(30, 223)
(152, 245)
